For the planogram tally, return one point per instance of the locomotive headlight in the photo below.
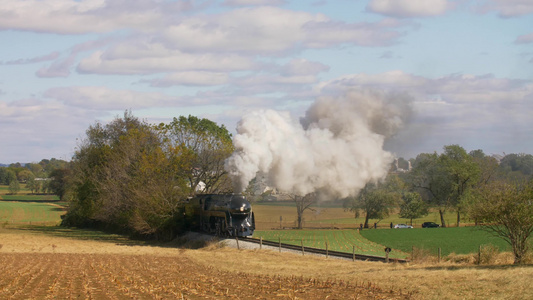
(242, 208)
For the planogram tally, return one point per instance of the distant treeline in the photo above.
(38, 177)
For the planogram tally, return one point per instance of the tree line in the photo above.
(37, 176)
(495, 193)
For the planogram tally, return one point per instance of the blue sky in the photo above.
(466, 64)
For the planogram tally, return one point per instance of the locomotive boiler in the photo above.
(221, 214)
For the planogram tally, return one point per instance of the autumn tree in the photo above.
(516, 167)
(444, 179)
(125, 176)
(506, 210)
(58, 182)
(412, 206)
(31, 184)
(24, 175)
(487, 165)
(376, 200)
(7, 175)
(209, 145)
(14, 187)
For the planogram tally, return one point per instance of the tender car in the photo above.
(402, 226)
(430, 225)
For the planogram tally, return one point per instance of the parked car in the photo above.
(402, 226)
(430, 225)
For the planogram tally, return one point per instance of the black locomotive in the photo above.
(221, 214)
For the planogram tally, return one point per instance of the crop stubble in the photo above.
(115, 276)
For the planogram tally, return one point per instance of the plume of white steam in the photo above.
(335, 149)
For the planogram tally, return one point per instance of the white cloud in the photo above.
(253, 2)
(39, 129)
(506, 8)
(103, 98)
(484, 90)
(272, 30)
(525, 39)
(409, 8)
(462, 109)
(267, 29)
(64, 65)
(46, 57)
(192, 78)
(76, 17)
(270, 80)
(160, 61)
(59, 68)
(303, 67)
(161, 39)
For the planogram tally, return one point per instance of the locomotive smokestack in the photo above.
(335, 149)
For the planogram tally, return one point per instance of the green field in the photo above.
(30, 198)
(25, 195)
(458, 240)
(337, 240)
(26, 208)
(30, 212)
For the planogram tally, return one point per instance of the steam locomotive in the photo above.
(221, 214)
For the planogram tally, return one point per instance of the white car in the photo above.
(402, 226)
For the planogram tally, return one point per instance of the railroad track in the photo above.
(325, 252)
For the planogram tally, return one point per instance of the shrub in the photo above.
(488, 255)
(461, 258)
(420, 255)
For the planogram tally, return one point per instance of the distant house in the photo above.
(42, 179)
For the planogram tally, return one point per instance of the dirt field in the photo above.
(46, 267)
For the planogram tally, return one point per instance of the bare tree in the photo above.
(303, 203)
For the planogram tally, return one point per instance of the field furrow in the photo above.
(114, 276)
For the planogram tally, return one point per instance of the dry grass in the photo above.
(43, 266)
(429, 280)
(268, 217)
(35, 266)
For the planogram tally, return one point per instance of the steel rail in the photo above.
(325, 252)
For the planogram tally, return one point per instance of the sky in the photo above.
(466, 65)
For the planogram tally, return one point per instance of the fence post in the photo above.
(327, 253)
(260, 243)
(279, 244)
(479, 255)
(439, 254)
(412, 253)
(387, 250)
(303, 250)
(353, 253)
(237, 239)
